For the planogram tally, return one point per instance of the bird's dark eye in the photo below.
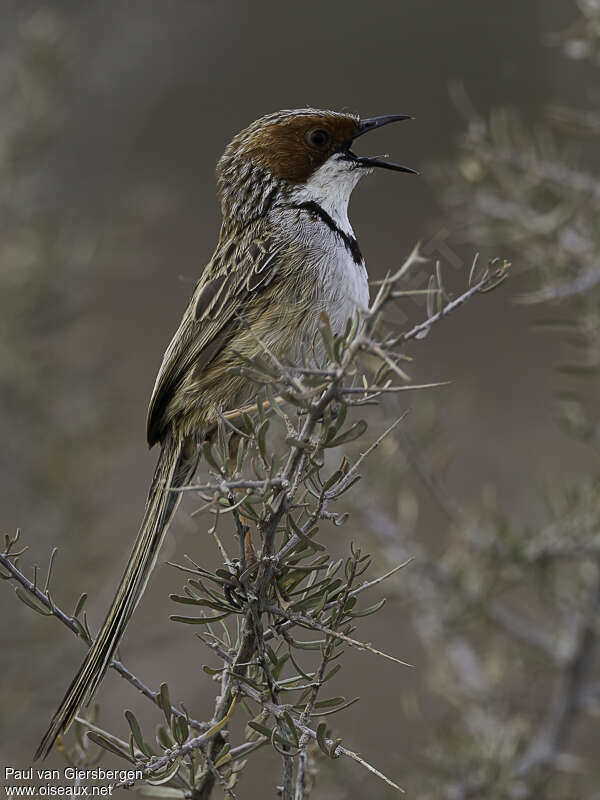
(318, 137)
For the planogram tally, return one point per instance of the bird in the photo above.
(286, 252)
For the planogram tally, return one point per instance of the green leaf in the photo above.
(310, 602)
(106, 744)
(269, 733)
(323, 596)
(350, 603)
(199, 620)
(28, 600)
(211, 670)
(338, 708)
(334, 567)
(332, 672)
(80, 605)
(337, 424)
(271, 654)
(370, 610)
(332, 481)
(181, 598)
(321, 733)
(166, 774)
(262, 729)
(220, 606)
(338, 347)
(350, 434)
(164, 701)
(136, 731)
(310, 645)
(181, 729)
(304, 538)
(275, 504)
(164, 737)
(331, 702)
(241, 455)
(311, 587)
(261, 439)
(348, 486)
(223, 756)
(225, 574)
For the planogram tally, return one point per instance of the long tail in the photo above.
(176, 465)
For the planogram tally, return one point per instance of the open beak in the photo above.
(370, 124)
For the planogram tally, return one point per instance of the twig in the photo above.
(282, 626)
(381, 438)
(335, 748)
(315, 625)
(224, 487)
(78, 630)
(487, 282)
(377, 390)
(294, 490)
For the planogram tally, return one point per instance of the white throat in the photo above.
(331, 186)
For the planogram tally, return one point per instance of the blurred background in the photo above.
(112, 117)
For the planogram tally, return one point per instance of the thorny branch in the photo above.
(194, 743)
(252, 611)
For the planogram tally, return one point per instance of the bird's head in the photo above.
(301, 151)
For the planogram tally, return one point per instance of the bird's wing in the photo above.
(234, 277)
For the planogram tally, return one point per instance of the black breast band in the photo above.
(351, 244)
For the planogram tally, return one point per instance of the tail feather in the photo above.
(176, 466)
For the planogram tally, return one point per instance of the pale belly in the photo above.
(342, 284)
(346, 290)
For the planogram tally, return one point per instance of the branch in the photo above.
(315, 625)
(225, 487)
(490, 280)
(77, 628)
(334, 747)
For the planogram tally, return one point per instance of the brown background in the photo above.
(149, 95)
